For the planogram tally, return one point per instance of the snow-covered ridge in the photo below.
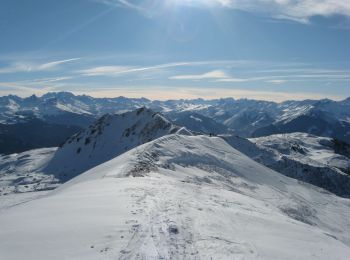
(109, 137)
(198, 198)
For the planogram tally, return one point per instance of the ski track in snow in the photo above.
(166, 229)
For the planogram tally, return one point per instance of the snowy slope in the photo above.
(198, 199)
(24, 172)
(109, 137)
(320, 161)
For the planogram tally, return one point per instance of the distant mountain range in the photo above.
(33, 133)
(243, 117)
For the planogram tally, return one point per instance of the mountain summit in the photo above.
(108, 137)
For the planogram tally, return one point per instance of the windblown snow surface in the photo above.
(179, 197)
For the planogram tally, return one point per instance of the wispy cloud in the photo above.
(22, 89)
(105, 70)
(32, 86)
(276, 81)
(221, 76)
(118, 70)
(177, 76)
(217, 75)
(297, 10)
(34, 67)
(54, 64)
(123, 3)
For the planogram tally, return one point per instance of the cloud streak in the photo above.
(296, 10)
(118, 70)
(34, 67)
(217, 75)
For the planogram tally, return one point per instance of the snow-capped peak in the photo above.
(107, 138)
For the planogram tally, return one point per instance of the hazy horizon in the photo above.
(184, 97)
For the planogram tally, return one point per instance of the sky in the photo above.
(170, 49)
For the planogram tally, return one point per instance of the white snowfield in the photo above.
(179, 197)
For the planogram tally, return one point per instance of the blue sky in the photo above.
(271, 49)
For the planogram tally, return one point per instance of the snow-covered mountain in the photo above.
(314, 121)
(245, 117)
(62, 106)
(321, 161)
(323, 118)
(34, 133)
(246, 122)
(198, 122)
(110, 136)
(198, 198)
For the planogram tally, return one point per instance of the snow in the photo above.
(72, 109)
(13, 106)
(109, 137)
(14, 199)
(310, 149)
(302, 156)
(196, 118)
(179, 197)
(24, 172)
(293, 111)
